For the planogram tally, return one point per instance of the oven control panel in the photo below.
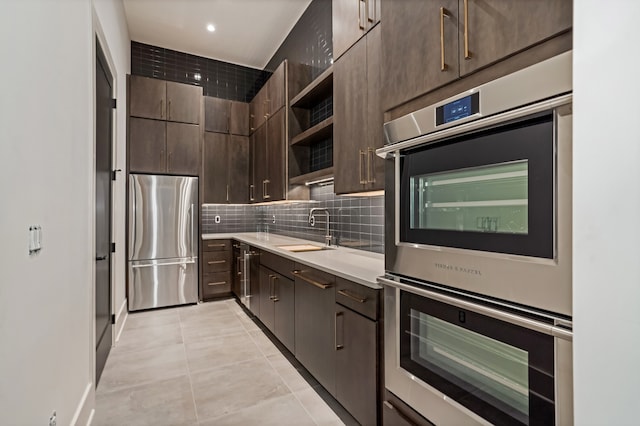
(458, 109)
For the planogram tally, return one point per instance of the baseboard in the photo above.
(121, 319)
(84, 412)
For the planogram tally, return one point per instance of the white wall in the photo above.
(606, 212)
(46, 166)
(111, 27)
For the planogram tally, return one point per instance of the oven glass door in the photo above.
(491, 190)
(502, 372)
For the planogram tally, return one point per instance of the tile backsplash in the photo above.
(355, 222)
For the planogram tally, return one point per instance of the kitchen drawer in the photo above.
(216, 284)
(216, 261)
(278, 264)
(314, 276)
(361, 299)
(216, 245)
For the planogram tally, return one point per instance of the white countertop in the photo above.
(359, 266)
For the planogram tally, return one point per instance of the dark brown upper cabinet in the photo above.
(183, 149)
(358, 117)
(275, 182)
(163, 147)
(217, 114)
(239, 120)
(276, 89)
(258, 170)
(225, 116)
(258, 109)
(148, 98)
(351, 19)
(183, 102)
(429, 44)
(147, 146)
(226, 168)
(164, 100)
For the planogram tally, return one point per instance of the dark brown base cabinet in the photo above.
(357, 364)
(217, 268)
(277, 303)
(315, 324)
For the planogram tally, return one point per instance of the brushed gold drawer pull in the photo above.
(353, 297)
(216, 245)
(443, 14)
(217, 283)
(310, 280)
(467, 55)
(216, 262)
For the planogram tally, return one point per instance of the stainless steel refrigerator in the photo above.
(163, 241)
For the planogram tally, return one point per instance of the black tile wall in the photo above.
(217, 78)
(355, 222)
(321, 155)
(310, 41)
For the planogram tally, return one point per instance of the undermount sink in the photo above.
(298, 248)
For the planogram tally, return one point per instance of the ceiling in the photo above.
(247, 32)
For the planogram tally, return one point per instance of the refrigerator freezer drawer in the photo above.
(153, 284)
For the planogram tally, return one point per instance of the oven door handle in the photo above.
(530, 324)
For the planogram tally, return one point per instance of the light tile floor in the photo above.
(207, 364)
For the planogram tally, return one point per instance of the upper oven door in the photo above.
(491, 190)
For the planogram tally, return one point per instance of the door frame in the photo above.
(99, 39)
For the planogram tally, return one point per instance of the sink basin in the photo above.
(298, 248)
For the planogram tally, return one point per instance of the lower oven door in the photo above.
(456, 362)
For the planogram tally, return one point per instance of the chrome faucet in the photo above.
(312, 222)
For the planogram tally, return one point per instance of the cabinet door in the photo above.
(217, 114)
(356, 364)
(183, 102)
(349, 21)
(147, 152)
(284, 319)
(266, 293)
(375, 116)
(254, 281)
(499, 28)
(315, 325)
(274, 186)
(350, 119)
(215, 170)
(257, 109)
(275, 90)
(412, 49)
(239, 123)
(183, 148)
(147, 97)
(236, 279)
(238, 165)
(259, 154)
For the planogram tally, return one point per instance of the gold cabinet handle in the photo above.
(335, 330)
(238, 260)
(362, 159)
(227, 193)
(217, 283)
(216, 262)
(371, 16)
(216, 245)
(371, 158)
(272, 288)
(360, 20)
(310, 280)
(353, 297)
(443, 14)
(251, 117)
(161, 108)
(251, 194)
(467, 55)
(169, 109)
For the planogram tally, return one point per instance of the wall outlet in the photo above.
(217, 219)
(53, 420)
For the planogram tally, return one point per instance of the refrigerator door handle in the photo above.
(193, 232)
(163, 263)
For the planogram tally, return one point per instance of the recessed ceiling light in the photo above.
(211, 28)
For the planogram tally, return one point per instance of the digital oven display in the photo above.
(458, 109)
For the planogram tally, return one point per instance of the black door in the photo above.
(104, 111)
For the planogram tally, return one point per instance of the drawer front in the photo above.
(216, 284)
(278, 264)
(216, 245)
(361, 299)
(314, 276)
(216, 261)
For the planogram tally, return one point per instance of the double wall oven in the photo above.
(478, 299)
